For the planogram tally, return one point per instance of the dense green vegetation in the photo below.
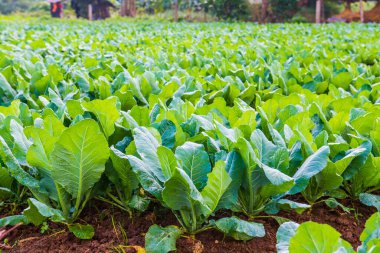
(196, 117)
(314, 237)
(191, 10)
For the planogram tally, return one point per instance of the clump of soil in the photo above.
(372, 15)
(349, 15)
(117, 232)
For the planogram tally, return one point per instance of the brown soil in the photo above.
(349, 15)
(372, 15)
(110, 224)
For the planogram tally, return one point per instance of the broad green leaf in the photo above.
(367, 177)
(106, 112)
(20, 142)
(124, 174)
(146, 145)
(12, 110)
(141, 115)
(79, 158)
(161, 239)
(240, 229)
(126, 98)
(146, 176)
(217, 184)
(371, 242)
(312, 166)
(15, 169)
(328, 179)
(167, 160)
(370, 200)
(13, 220)
(276, 177)
(288, 205)
(203, 122)
(343, 163)
(372, 224)
(38, 212)
(235, 168)
(5, 184)
(6, 88)
(180, 192)
(5, 193)
(278, 182)
(280, 160)
(248, 118)
(139, 203)
(371, 246)
(358, 161)
(266, 149)
(74, 108)
(317, 238)
(284, 233)
(53, 125)
(365, 123)
(42, 145)
(195, 162)
(333, 203)
(84, 232)
(228, 137)
(167, 130)
(136, 90)
(338, 122)
(343, 80)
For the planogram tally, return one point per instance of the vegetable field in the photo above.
(212, 137)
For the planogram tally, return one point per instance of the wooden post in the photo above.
(128, 8)
(348, 5)
(133, 8)
(264, 11)
(89, 12)
(361, 11)
(318, 12)
(323, 11)
(189, 10)
(123, 8)
(204, 11)
(175, 10)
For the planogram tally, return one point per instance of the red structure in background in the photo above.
(56, 9)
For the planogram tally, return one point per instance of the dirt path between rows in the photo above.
(115, 230)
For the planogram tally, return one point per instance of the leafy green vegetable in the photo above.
(159, 239)
(13, 220)
(240, 229)
(284, 233)
(38, 212)
(106, 112)
(69, 167)
(76, 165)
(82, 231)
(370, 200)
(197, 118)
(314, 237)
(195, 162)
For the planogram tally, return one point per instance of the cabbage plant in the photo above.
(62, 166)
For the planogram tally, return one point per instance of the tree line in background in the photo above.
(247, 10)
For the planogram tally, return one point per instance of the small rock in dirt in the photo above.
(151, 217)
(344, 221)
(198, 247)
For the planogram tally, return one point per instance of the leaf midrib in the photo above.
(80, 183)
